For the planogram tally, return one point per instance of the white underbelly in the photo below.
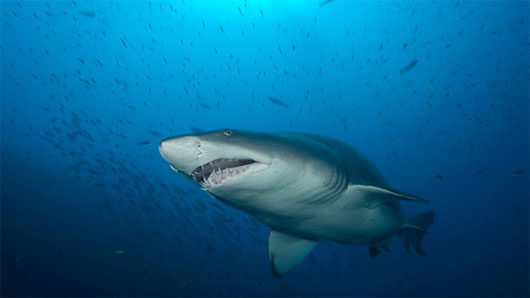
(324, 214)
(356, 225)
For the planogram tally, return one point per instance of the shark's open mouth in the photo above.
(216, 171)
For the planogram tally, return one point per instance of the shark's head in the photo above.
(215, 159)
(235, 164)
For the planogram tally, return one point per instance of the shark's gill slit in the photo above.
(215, 171)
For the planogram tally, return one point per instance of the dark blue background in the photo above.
(89, 88)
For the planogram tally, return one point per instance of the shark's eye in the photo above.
(228, 133)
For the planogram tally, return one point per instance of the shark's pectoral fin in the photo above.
(372, 196)
(286, 251)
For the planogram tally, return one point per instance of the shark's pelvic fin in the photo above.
(373, 196)
(286, 251)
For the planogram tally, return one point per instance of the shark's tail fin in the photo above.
(413, 231)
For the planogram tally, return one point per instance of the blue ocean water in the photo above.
(435, 94)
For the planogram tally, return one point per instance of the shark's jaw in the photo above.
(219, 163)
(218, 171)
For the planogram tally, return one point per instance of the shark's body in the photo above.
(305, 187)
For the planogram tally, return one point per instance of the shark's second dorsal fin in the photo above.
(372, 196)
(286, 251)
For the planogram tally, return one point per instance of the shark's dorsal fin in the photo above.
(372, 196)
(286, 251)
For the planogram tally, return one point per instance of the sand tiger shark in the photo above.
(305, 187)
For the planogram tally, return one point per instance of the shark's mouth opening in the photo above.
(216, 171)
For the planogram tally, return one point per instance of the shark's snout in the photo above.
(181, 152)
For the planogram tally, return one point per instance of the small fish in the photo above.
(409, 66)
(118, 252)
(325, 2)
(144, 143)
(123, 41)
(518, 172)
(87, 13)
(153, 133)
(276, 101)
(480, 171)
(196, 130)
(204, 105)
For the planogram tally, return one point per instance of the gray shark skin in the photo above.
(305, 187)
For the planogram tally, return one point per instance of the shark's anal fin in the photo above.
(286, 251)
(375, 248)
(373, 196)
(414, 230)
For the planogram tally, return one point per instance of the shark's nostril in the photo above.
(199, 150)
